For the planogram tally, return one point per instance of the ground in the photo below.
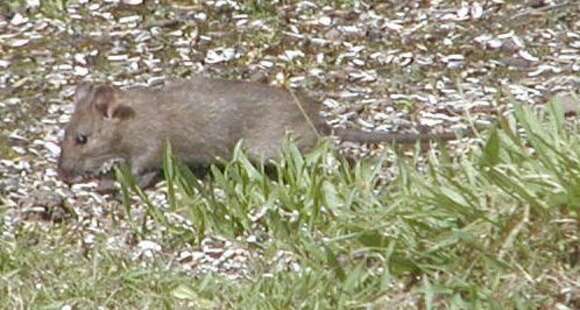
(494, 226)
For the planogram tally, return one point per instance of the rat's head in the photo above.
(93, 134)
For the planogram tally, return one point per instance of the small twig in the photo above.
(164, 23)
(299, 104)
(539, 10)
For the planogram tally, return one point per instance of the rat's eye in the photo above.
(81, 139)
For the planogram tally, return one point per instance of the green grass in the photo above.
(496, 228)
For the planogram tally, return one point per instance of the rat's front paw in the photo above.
(148, 179)
(106, 187)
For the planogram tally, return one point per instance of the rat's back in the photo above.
(203, 116)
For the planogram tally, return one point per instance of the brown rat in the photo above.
(202, 118)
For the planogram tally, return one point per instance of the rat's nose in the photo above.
(65, 174)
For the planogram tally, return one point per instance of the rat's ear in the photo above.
(82, 92)
(106, 103)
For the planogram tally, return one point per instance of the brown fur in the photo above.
(202, 118)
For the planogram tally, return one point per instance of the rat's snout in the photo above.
(68, 176)
(64, 169)
(64, 174)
